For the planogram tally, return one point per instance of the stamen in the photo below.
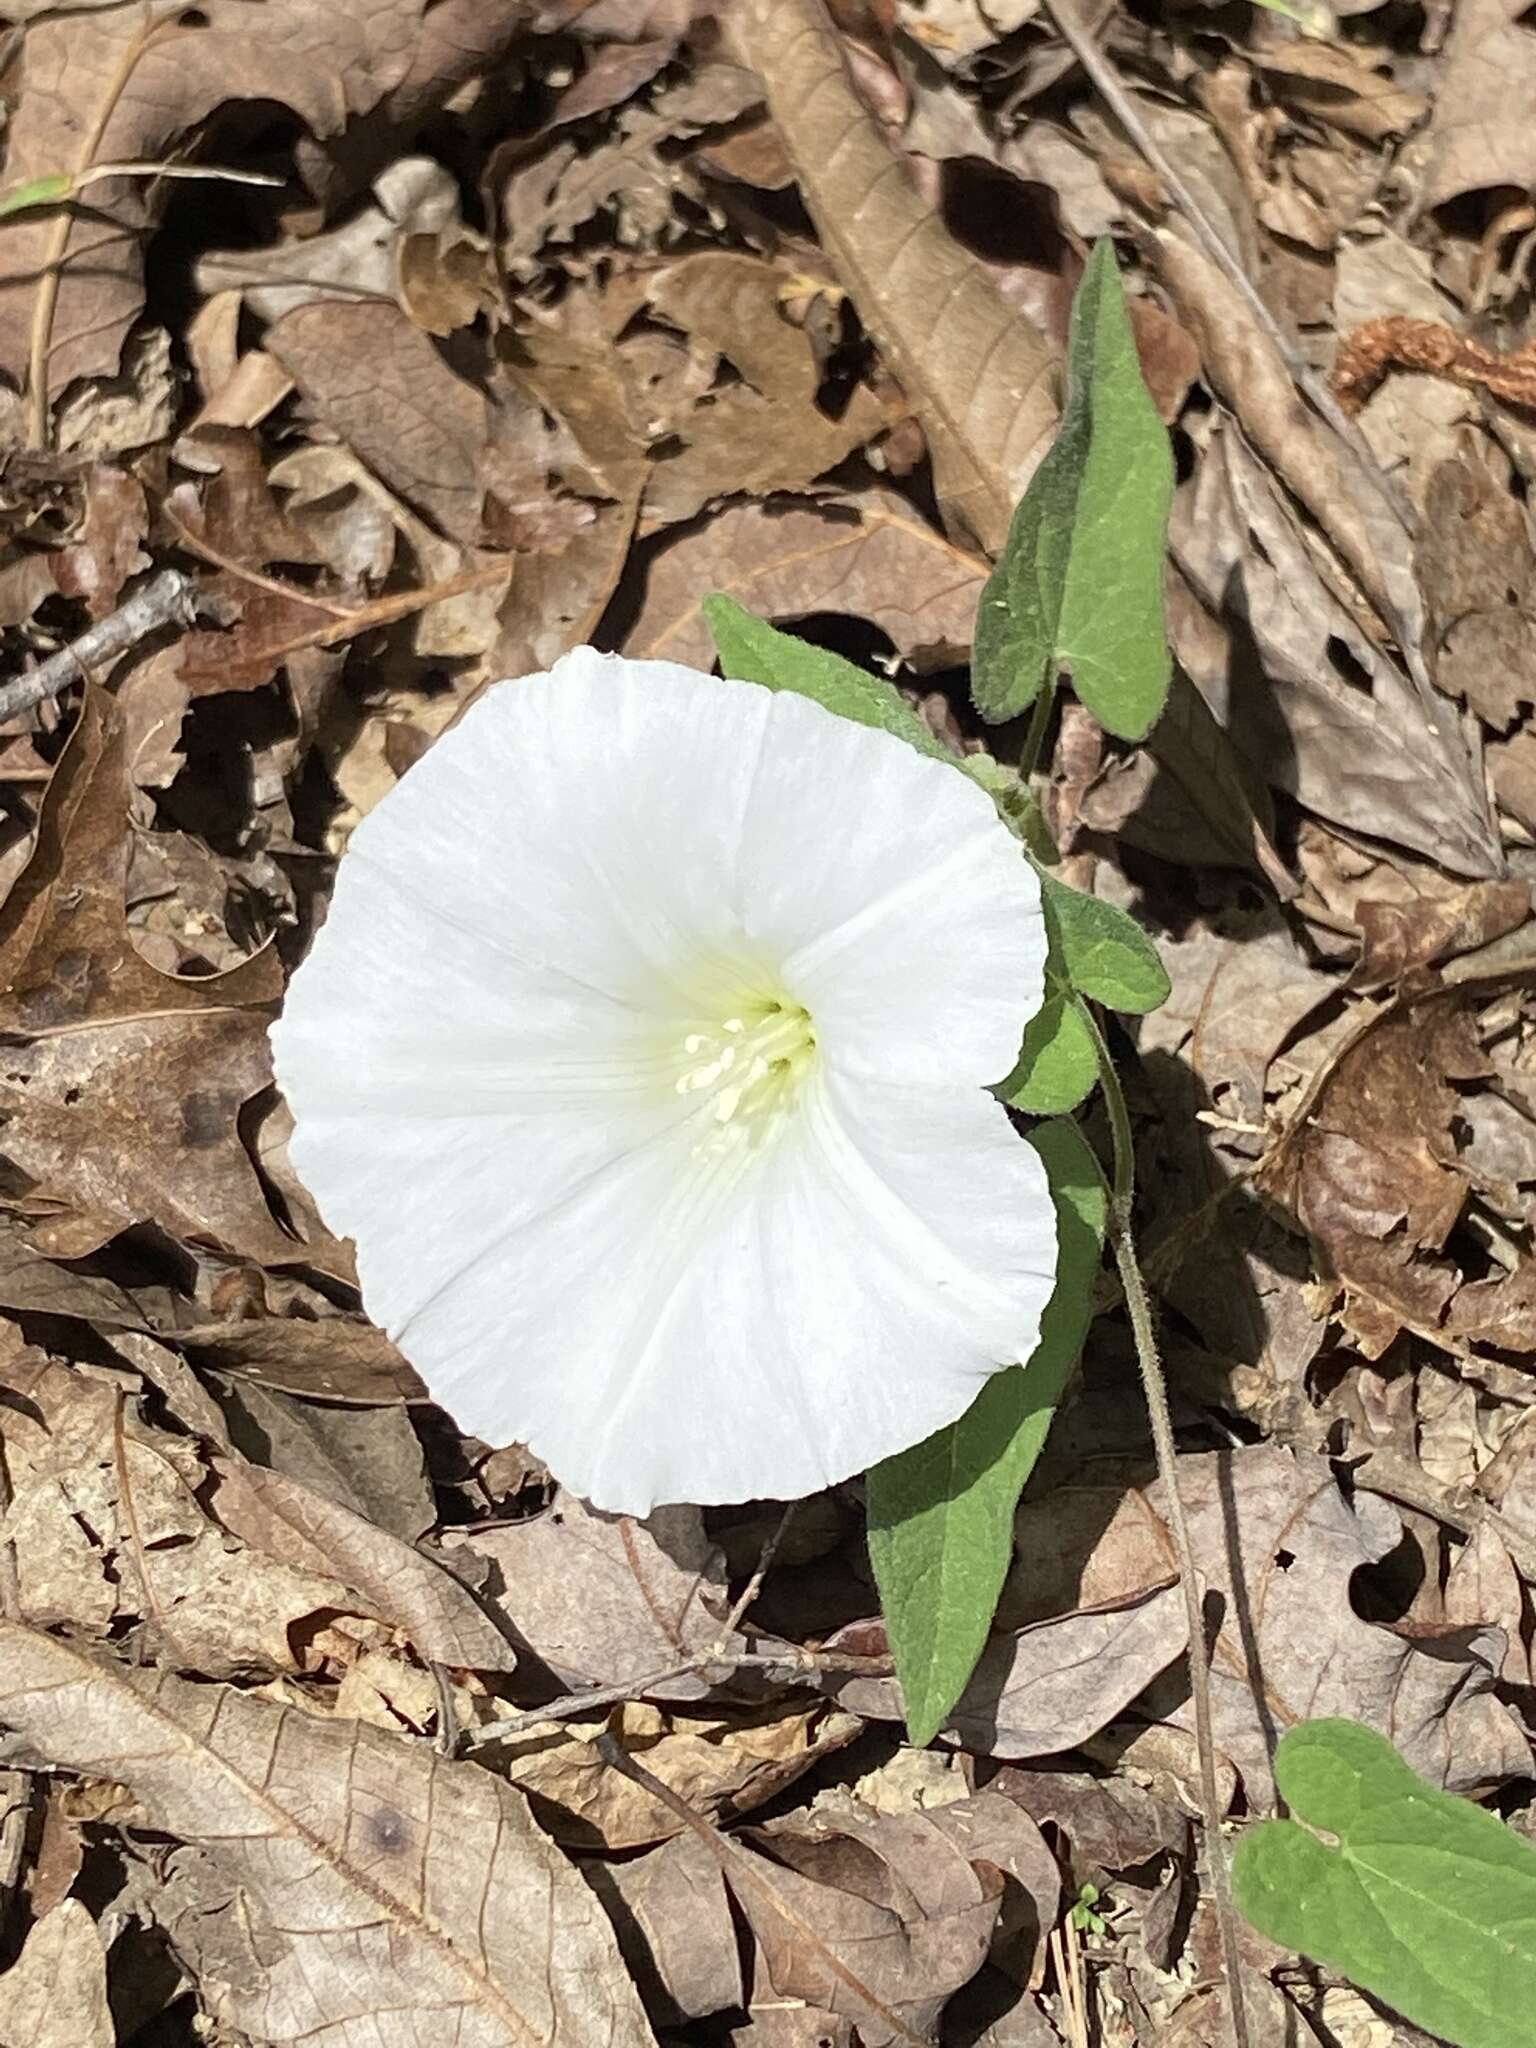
(750, 1066)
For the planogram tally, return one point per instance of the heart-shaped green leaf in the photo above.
(1422, 1899)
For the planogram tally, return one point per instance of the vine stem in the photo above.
(1155, 1388)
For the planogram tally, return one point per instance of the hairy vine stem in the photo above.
(1155, 1387)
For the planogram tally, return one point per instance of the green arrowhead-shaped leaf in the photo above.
(941, 1514)
(754, 652)
(1058, 1062)
(1079, 584)
(1424, 1900)
(1104, 954)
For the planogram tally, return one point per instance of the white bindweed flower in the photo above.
(644, 1054)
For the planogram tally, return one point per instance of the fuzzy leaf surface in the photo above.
(1079, 585)
(941, 1514)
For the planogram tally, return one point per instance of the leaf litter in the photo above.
(493, 330)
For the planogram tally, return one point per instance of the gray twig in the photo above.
(788, 1666)
(170, 596)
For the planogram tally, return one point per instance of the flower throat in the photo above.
(749, 1068)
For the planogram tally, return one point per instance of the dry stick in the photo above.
(384, 611)
(167, 598)
(1106, 83)
(792, 1664)
(195, 544)
(1155, 1390)
(754, 1585)
(46, 303)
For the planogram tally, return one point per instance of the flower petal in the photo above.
(672, 1334)
(910, 927)
(482, 1058)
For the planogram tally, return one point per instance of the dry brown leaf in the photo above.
(1476, 565)
(842, 1841)
(328, 65)
(1280, 660)
(723, 1765)
(548, 187)
(55, 1993)
(1109, 1825)
(1279, 1542)
(879, 1934)
(394, 250)
(1512, 770)
(1478, 133)
(673, 1920)
(1225, 1046)
(982, 381)
(1484, 1585)
(366, 1457)
(764, 433)
(109, 1533)
(1336, 86)
(377, 379)
(66, 959)
(1410, 915)
(100, 1113)
(33, 1284)
(1345, 498)
(282, 1519)
(558, 594)
(602, 1598)
(1048, 1687)
(335, 1359)
(1372, 1172)
(379, 1887)
(869, 558)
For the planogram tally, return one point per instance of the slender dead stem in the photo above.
(1106, 83)
(290, 593)
(790, 1667)
(1155, 1389)
(46, 303)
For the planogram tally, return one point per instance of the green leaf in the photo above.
(1079, 584)
(941, 1514)
(754, 652)
(1424, 1900)
(1059, 1060)
(1102, 953)
(45, 191)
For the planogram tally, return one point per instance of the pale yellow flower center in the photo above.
(748, 1068)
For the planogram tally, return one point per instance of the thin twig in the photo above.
(1106, 82)
(383, 611)
(169, 598)
(791, 1665)
(754, 1585)
(46, 303)
(196, 544)
(10, 1570)
(1155, 1390)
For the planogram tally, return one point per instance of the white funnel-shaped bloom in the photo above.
(644, 1054)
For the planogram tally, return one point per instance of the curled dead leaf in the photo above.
(980, 378)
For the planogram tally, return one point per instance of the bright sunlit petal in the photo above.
(642, 1054)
